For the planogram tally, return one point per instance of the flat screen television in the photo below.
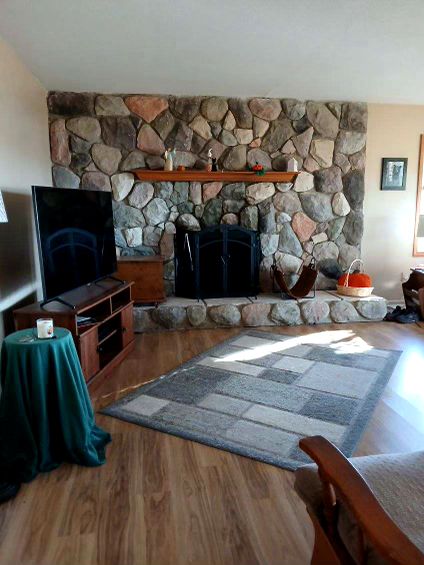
(75, 237)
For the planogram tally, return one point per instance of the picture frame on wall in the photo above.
(393, 173)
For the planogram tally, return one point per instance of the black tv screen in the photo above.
(75, 237)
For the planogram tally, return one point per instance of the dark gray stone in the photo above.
(170, 317)
(156, 212)
(294, 109)
(372, 309)
(64, 178)
(317, 206)
(70, 104)
(186, 107)
(164, 124)
(216, 147)
(329, 180)
(95, 180)
(180, 137)
(354, 116)
(196, 314)
(330, 268)
(354, 228)
(233, 206)
(79, 161)
(322, 119)
(225, 315)
(349, 142)
(79, 145)
(235, 160)
(266, 212)
(279, 132)
(212, 212)
(335, 228)
(119, 132)
(163, 189)
(234, 191)
(288, 241)
(185, 208)
(287, 202)
(354, 189)
(154, 162)
(249, 218)
(188, 222)
(134, 160)
(180, 193)
(241, 111)
(286, 313)
(258, 156)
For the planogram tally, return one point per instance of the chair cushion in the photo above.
(397, 481)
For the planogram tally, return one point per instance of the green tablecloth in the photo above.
(46, 416)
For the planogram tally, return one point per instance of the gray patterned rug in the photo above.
(258, 393)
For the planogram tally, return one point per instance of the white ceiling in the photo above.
(370, 50)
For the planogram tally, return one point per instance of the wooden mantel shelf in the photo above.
(206, 176)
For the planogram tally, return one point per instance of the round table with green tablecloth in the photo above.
(46, 416)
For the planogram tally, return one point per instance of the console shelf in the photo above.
(101, 344)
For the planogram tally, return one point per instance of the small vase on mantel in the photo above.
(169, 160)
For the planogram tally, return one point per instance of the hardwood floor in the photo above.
(162, 500)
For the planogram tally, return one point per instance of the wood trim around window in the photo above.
(420, 190)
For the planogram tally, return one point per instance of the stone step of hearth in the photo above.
(264, 310)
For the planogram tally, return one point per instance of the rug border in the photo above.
(347, 447)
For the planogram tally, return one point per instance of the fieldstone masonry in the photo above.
(96, 140)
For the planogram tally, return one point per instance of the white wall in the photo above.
(24, 161)
(393, 131)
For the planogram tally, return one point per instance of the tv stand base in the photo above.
(58, 299)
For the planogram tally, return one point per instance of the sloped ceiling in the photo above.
(371, 50)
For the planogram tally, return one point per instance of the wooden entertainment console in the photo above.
(101, 344)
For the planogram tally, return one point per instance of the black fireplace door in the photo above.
(211, 263)
(240, 253)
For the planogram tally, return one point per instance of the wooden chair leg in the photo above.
(323, 553)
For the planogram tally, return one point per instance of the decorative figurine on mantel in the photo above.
(214, 164)
(292, 165)
(210, 161)
(169, 160)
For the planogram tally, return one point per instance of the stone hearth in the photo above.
(267, 310)
(97, 140)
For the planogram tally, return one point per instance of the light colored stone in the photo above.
(303, 226)
(229, 121)
(349, 142)
(188, 222)
(211, 190)
(322, 119)
(319, 238)
(225, 315)
(230, 219)
(340, 204)
(282, 217)
(289, 264)
(249, 217)
(195, 191)
(288, 241)
(315, 311)
(141, 194)
(260, 127)
(156, 212)
(107, 105)
(265, 108)
(122, 184)
(284, 186)
(196, 314)
(243, 136)
(106, 158)
(255, 193)
(147, 107)
(287, 202)
(372, 309)
(134, 236)
(288, 148)
(302, 142)
(317, 206)
(294, 109)
(343, 162)
(310, 165)
(357, 160)
(242, 114)
(214, 109)
(96, 181)
(149, 141)
(304, 182)
(256, 143)
(343, 312)
(152, 236)
(201, 127)
(254, 315)
(286, 313)
(59, 143)
(86, 128)
(236, 158)
(348, 253)
(322, 150)
(134, 160)
(326, 250)
(269, 243)
(227, 138)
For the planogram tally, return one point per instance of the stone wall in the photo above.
(96, 140)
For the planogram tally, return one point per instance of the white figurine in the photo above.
(169, 160)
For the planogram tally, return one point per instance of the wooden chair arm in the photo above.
(353, 490)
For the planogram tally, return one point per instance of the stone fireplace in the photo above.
(97, 140)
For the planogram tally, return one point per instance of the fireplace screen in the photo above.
(217, 261)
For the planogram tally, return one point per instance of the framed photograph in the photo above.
(393, 173)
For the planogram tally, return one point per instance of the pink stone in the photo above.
(59, 143)
(265, 108)
(167, 245)
(147, 107)
(210, 190)
(230, 219)
(256, 315)
(256, 142)
(303, 226)
(149, 141)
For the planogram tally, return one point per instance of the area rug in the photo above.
(259, 393)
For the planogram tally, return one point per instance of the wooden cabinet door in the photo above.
(127, 325)
(89, 355)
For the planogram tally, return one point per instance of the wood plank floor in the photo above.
(162, 500)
